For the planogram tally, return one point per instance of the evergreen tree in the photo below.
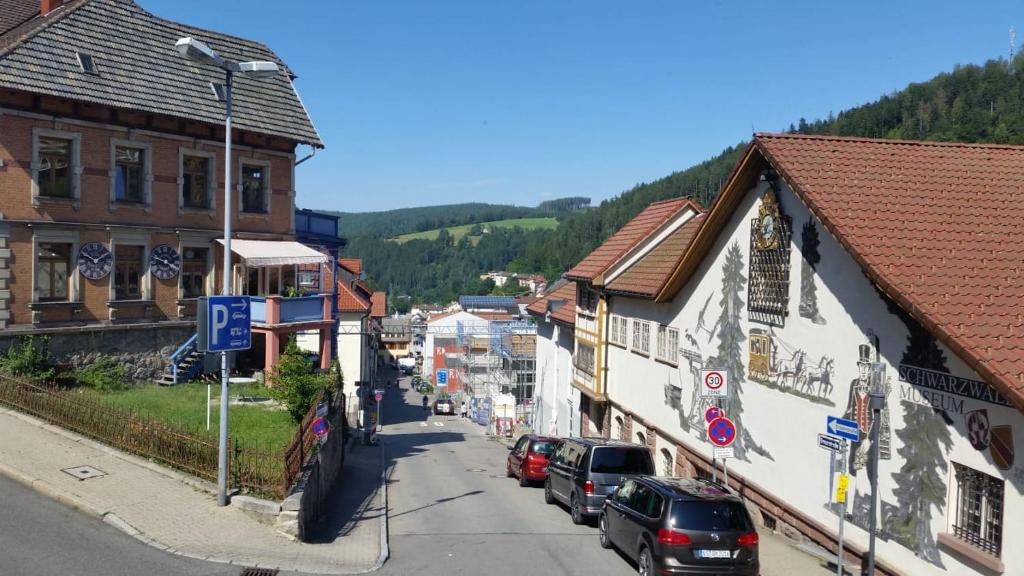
(808, 290)
(924, 442)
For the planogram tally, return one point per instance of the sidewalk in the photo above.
(178, 513)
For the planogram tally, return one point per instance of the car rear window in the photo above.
(710, 515)
(613, 460)
(544, 448)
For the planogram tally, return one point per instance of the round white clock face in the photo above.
(165, 262)
(94, 260)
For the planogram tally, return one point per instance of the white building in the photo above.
(556, 403)
(821, 258)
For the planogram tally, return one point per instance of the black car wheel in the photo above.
(575, 511)
(644, 566)
(549, 498)
(602, 529)
(523, 481)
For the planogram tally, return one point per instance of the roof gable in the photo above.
(139, 69)
(648, 275)
(954, 266)
(561, 302)
(353, 265)
(350, 301)
(378, 305)
(626, 238)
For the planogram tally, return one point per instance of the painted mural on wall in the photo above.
(925, 440)
(768, 295)
(729, 356)
(782, 367)
(809, 243)
(857, 408)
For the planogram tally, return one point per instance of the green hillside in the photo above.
(970, 104)
(457, 232)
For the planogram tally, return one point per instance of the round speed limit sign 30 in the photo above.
(715, 383)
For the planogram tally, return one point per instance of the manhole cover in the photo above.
(259, 572)
(475, 470)
(84, 472)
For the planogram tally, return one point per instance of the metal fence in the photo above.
(252, 469)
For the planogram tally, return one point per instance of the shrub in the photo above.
(293, 381)
(104, 374)
(29, 356)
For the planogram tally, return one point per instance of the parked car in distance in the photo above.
(582, 472)
(444, 405)
(680, 526)
(528, 458)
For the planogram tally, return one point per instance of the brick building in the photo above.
(111, 176)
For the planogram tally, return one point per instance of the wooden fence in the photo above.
(252, 469)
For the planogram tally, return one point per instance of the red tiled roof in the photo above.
(939, 227)
(566, 313)
(494, 315)
(353, 265)
(615, 247)
(378, 307)
(364, 287)
(350, 301)
(650, 273)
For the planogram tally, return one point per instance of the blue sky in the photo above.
(435, 102)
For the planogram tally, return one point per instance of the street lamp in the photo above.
(200, 53)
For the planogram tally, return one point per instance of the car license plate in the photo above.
(713, 554)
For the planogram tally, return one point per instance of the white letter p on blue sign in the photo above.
(218, 322)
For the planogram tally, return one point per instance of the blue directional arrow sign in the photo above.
(843, 428)
(224, 324)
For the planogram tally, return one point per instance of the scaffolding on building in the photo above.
(499, 360)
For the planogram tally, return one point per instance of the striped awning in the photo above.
(265, 253)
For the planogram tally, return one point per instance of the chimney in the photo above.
(47, 6)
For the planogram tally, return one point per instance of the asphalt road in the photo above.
(41, 537)
(452, 510)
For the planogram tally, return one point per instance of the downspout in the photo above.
(604, 359)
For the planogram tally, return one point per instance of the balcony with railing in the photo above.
(275, 310)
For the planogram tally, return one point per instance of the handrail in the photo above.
(187, 348)
(181, 350)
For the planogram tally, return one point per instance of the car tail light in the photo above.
(748, 540)
(588, 488)
(673, 538)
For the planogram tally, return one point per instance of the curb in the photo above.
(37, 485)
(385, 551)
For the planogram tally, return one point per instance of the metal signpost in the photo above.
(721, 434)
(378, 395)
(224, 325)
(839, 430)
(715, 384)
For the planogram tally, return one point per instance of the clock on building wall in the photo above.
(164, 262)
(94, 260)
(768, 288)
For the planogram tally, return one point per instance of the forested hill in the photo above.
(970, 104)
(391, 223)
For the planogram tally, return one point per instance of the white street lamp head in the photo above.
(197, 51)
(258, 69)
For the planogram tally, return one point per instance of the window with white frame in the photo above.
(56, 165)
(619, 330)
(668, 342)
(979, 509)
(641, 336)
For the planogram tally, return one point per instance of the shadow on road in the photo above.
(436, 502)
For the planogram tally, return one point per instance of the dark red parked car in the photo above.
(528, 459)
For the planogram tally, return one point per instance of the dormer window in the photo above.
(87, 63)
(219, 91)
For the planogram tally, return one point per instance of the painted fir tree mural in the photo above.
(924, 442)
(809, 243)
(730, 348)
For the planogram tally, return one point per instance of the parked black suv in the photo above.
(680, 526)
(582, 472)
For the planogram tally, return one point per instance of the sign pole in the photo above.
(208, 393)
(841, 508)
(222, 460)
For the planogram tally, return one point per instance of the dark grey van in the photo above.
(582, 472)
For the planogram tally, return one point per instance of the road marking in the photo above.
(424, 424)
(436, 423)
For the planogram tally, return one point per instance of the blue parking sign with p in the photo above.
(224, 324)
(442, 377)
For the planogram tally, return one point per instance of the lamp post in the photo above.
(200, 53)
(876, 403)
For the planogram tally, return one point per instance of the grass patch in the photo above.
(185, 405)
(458, 232)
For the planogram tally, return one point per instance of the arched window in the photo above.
(667, 465)
(620, 428)
(640, 439)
